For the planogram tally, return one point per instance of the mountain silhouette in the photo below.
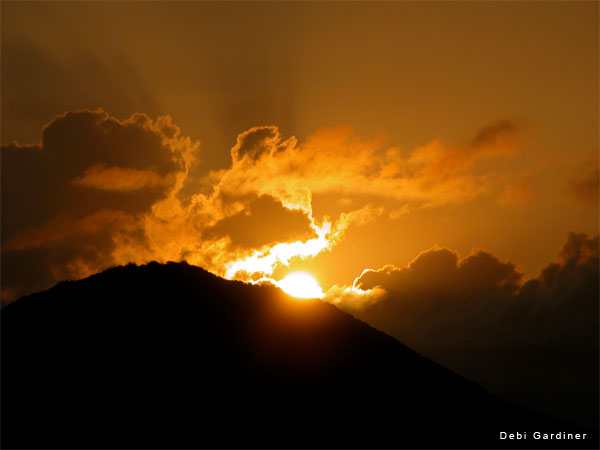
(171, 356)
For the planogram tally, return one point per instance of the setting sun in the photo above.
(428, 171)
(301, 285)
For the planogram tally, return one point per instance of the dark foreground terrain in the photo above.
(171, 356)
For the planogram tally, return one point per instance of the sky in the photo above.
(356, 141)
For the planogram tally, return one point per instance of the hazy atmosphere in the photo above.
(432, 166)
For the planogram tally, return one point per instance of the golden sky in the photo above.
(466, 125)
(441, 151)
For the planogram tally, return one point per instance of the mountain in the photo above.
(171, 356)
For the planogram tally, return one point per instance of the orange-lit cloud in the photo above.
(121, 179)
(128, 177)
(337, 161)
(60, 229)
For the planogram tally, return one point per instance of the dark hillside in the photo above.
(173, 356)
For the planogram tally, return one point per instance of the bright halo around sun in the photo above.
(301, 285)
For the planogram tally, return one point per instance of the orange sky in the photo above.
(401, 125)
(434, 165)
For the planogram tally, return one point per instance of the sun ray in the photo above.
(264, 262)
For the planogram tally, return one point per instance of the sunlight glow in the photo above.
(301, 285)
(265, 261)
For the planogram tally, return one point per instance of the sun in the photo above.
(301, 285)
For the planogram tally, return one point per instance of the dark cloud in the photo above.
(41, 181)
(493, 133)
(77, 196)
(85, 137)
(265, 221)
(475, 277)
(258, 141)
(474, 315)
(451, 163)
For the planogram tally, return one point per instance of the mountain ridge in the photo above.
(171, 355)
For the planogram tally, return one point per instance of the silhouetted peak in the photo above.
(170, 355)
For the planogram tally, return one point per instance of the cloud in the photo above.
(437, 162)
(497, 134)
(92, 171)
(335, 160)
(479, 274)
(120, 179)
(76, 199)
(89, 149)
(331, 162)
(483, 293)
(61, 229)
(255, 142)
(263, 221)
(476, 315)
(67, 247)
